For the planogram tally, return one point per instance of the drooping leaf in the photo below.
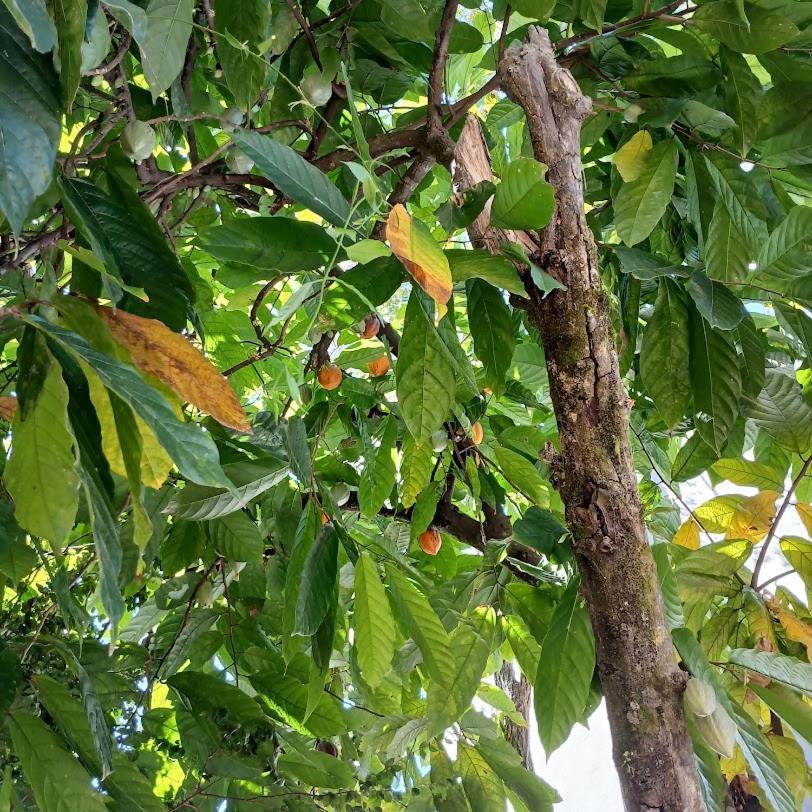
(791, 672)
(641, 203)
(163, 44)
(782, 412)
(316, 592)
(424, 373)
(492, 331)
(295, 177)
(29, 122)
(718, 306)
(727, 257)
(565, 671)
(524, 199)
(412, 243)
(378, 476)
(236, 537)
(374, 624)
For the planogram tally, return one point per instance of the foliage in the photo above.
(213, 585)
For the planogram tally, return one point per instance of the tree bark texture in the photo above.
(520, 691)
(594, 472)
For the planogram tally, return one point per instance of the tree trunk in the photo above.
(594, 472)
(519, 690)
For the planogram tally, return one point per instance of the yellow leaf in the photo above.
(754, 517)
(804, 510)
(797, 630)
(688, 535)
(170, 358)
(629, 159)
(100, 398)
(8, 407)
(717, 513)
(155, 462)
(411, 242)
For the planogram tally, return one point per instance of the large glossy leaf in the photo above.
(754, 745)
(58, 781)
(715, 380)
(295, 177)
(236, 537)
(786, 254)
(317, 589)
(780, 667)
(782, 411)
(641, 203)
(41, 473)
(374, 624)
(29, 122)
(795, 322)
(424, 373)
(492, 331)
(193, 451)
(789, 706)
(742, 94)
(764, 30)
(422, 623)
(126, 237)
(33, 19)
(163, 45)
(498, 271)
(482, 786)
(718, 306)
(378, 476)
(279, 244)
(567, 660)
(664, 354)
(211, 694)
(523, 475)
(523, 200)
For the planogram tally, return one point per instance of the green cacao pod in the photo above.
(138, 140)
(718, 731)
(700, 698)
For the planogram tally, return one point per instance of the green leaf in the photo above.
(70, 17)
(424, 373)
(492, 330)
(641, 203)
(789, 706)
(378, 476)
(727, 257)
(522, 474)
(782, 411)
(126, 237)
(58, 781)
(693, 458)
(715, 380)
(664, 354)
(279, 244)
(11, 677)
(534, 10)
(422, 623)
(246, 22)
(17, 559)
(561, 687)
(524, 645)
(787, 253)
(675, 76)
(41, 473)
(317, 590)
(33, 19)
(248, 480)
(798, 552)
(754, 745)
(647, 266)
(482, 786)
(718, 306)
(295, 177)
(417, 461)
(749, 474)
(163, 46)
(795, 322)
(524, 199)
(766, 30)
(791, 672)
(539, 529)
(316, 769)
(536, 794)
(499, 271)
(236, 537)
(133, 18)
(470, 647)
(192, 450)
(210, 694)
(373, 622)
(30, 125)
(742, 95)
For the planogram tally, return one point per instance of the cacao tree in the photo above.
(359, 363)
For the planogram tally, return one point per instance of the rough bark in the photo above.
(594, 472)
(519, 690)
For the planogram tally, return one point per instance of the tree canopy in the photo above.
(280, 521)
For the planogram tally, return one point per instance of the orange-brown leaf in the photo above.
(8, 407)
(411, 242)
(170, 358)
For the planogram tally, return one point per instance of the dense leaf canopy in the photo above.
(275, 506)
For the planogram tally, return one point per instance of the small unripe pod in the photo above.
(316, 89)
(231, 118)
(340, 493)
(718, 731)
(632, 113)
(138, 140)
(439, 440)
(700, 698)
(238, 162)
